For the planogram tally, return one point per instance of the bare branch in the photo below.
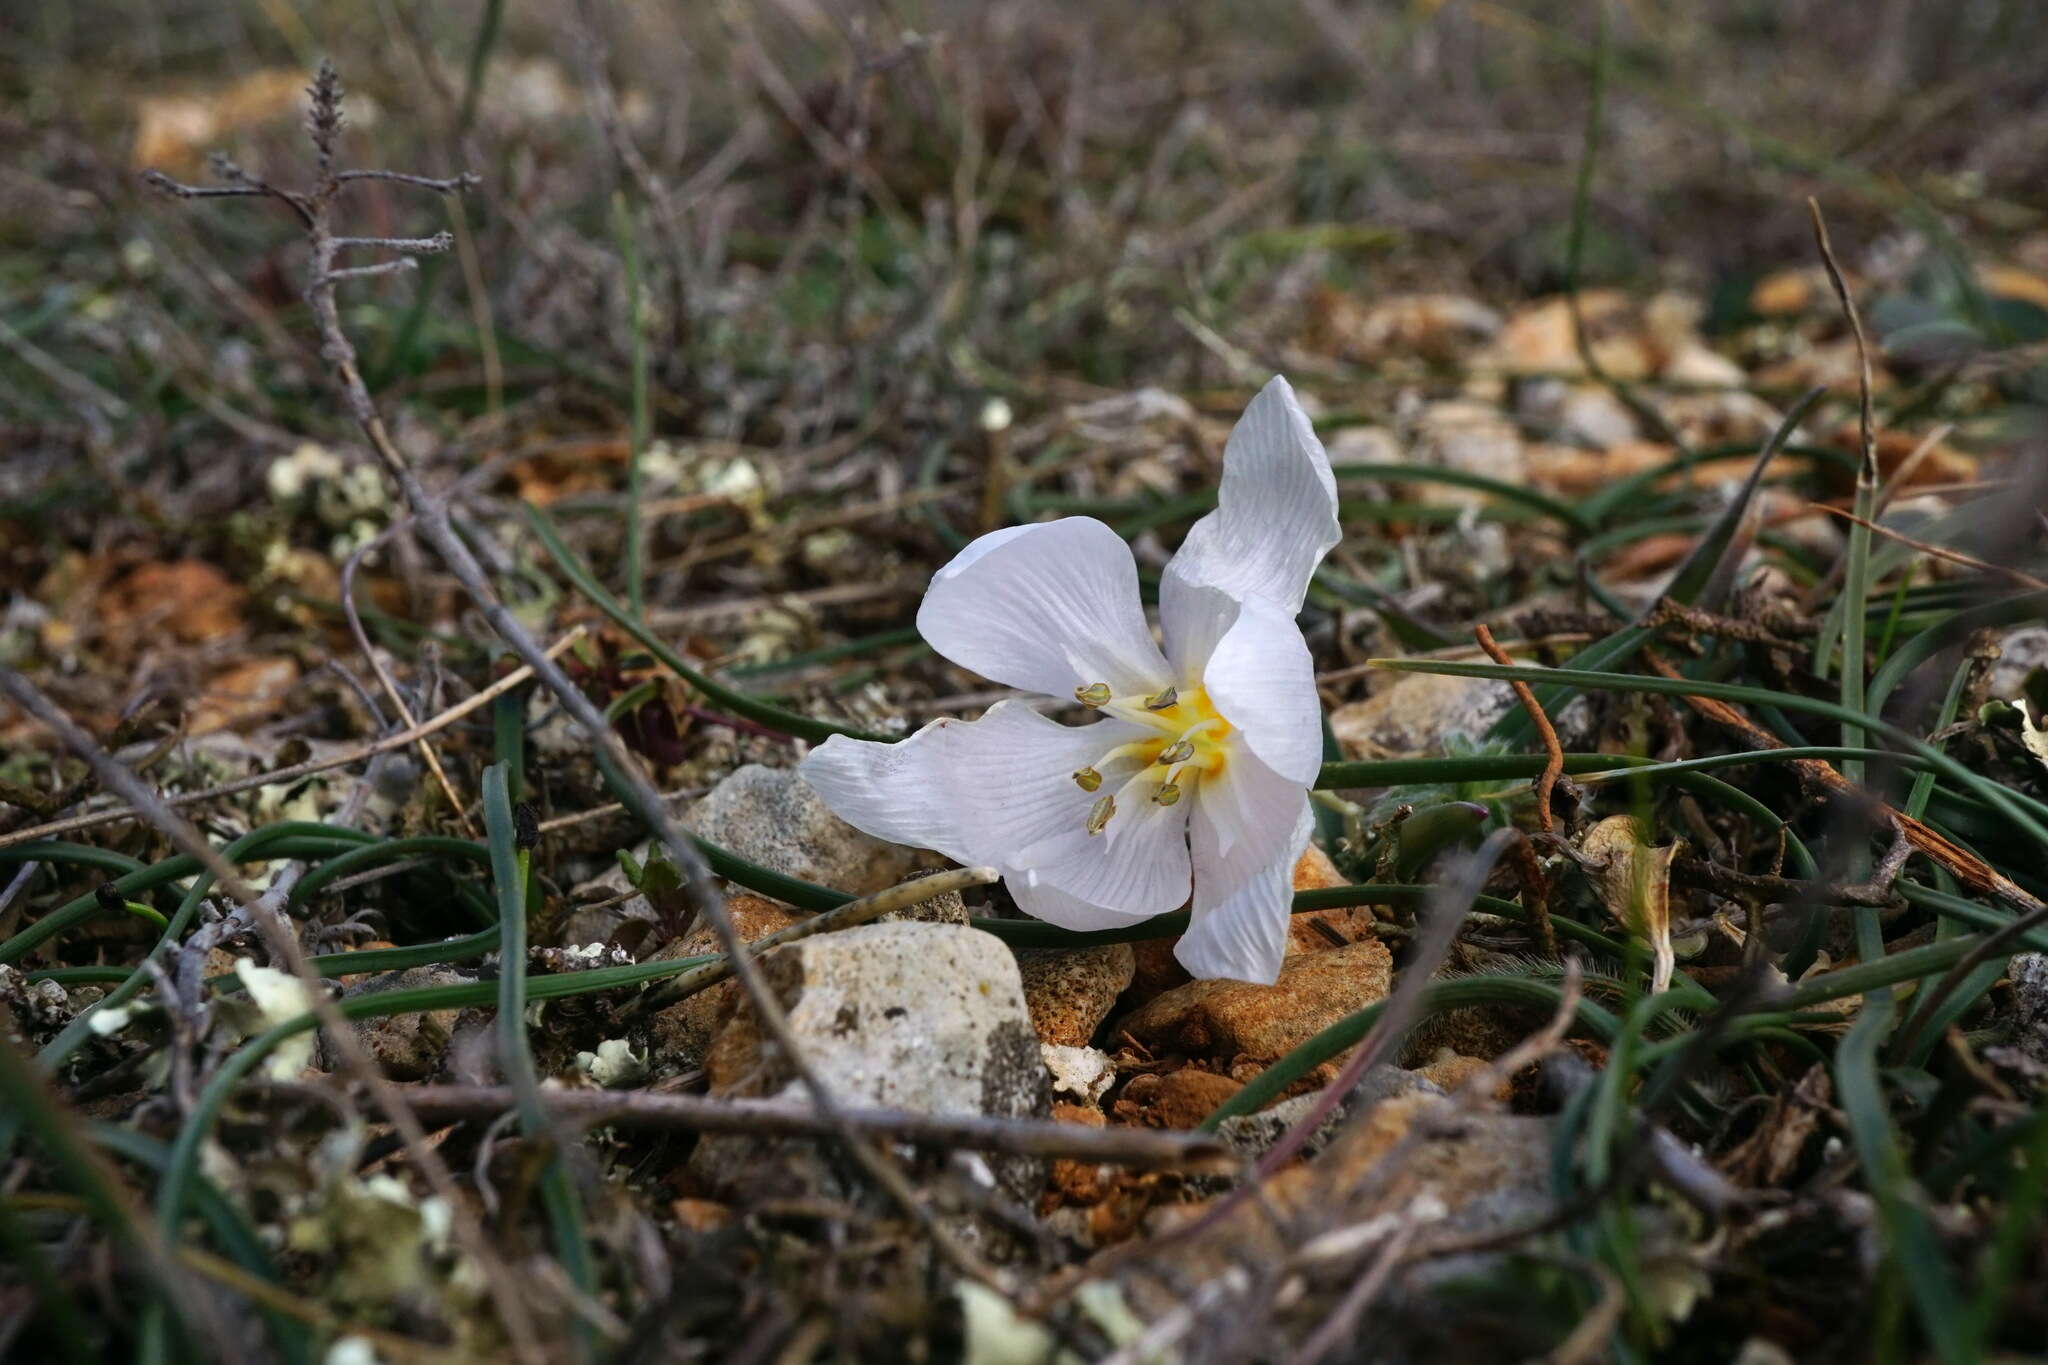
(240, 186)
(163, 184)
(1553, 765)
(440, 1104)
(329, 279)
(454, 184)
(425, 246)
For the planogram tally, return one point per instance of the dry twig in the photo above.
(774, 1118)
(314, 209)
(1966, 866)
(1553, 766)
(2006, 571)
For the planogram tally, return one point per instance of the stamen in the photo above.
(1137, 748)
(1098, 815)
(1163, 700)
(1180, 751)
(1168, 793)
(1094, 694)
(1088, 779)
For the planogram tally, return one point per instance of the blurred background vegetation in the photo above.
(854, 208)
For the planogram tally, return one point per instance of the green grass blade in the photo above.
(379, 854)
(1992, 793)
(49, 1297)
(1694, 576)
(26, 1099)
(509, 875)
(1910, 1235)
(70, 854)
(181, 1169)
(282, 840)
(2017, 1237)
(739, 703)
(1627, 493)
(1855, 664)
(508, 738)
(230, 1230)
(1952, 631)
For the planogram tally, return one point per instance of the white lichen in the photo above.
(615, 1065)
(279, 998)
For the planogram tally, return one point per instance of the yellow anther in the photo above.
(1088, 779)
(1094, 694)
(1168, 793)
(1180, 751)
(1163, 700)
(1098, 815)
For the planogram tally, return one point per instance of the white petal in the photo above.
(1136, 868)
(1243, 935)
(1193, 619)
(1262, 680)
(977, 791)
(1276, 512)
(1042, 901)
(1242, 816)
(1047, 608)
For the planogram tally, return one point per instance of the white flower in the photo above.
(1196, 776)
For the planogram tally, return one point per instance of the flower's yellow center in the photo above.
(1188, 743)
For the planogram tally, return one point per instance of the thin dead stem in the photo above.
(1553, 767)
(1867, 428)
(2005, 571)
(654, 1109)
(1966, 866)
(315, 208)
(383, 675)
